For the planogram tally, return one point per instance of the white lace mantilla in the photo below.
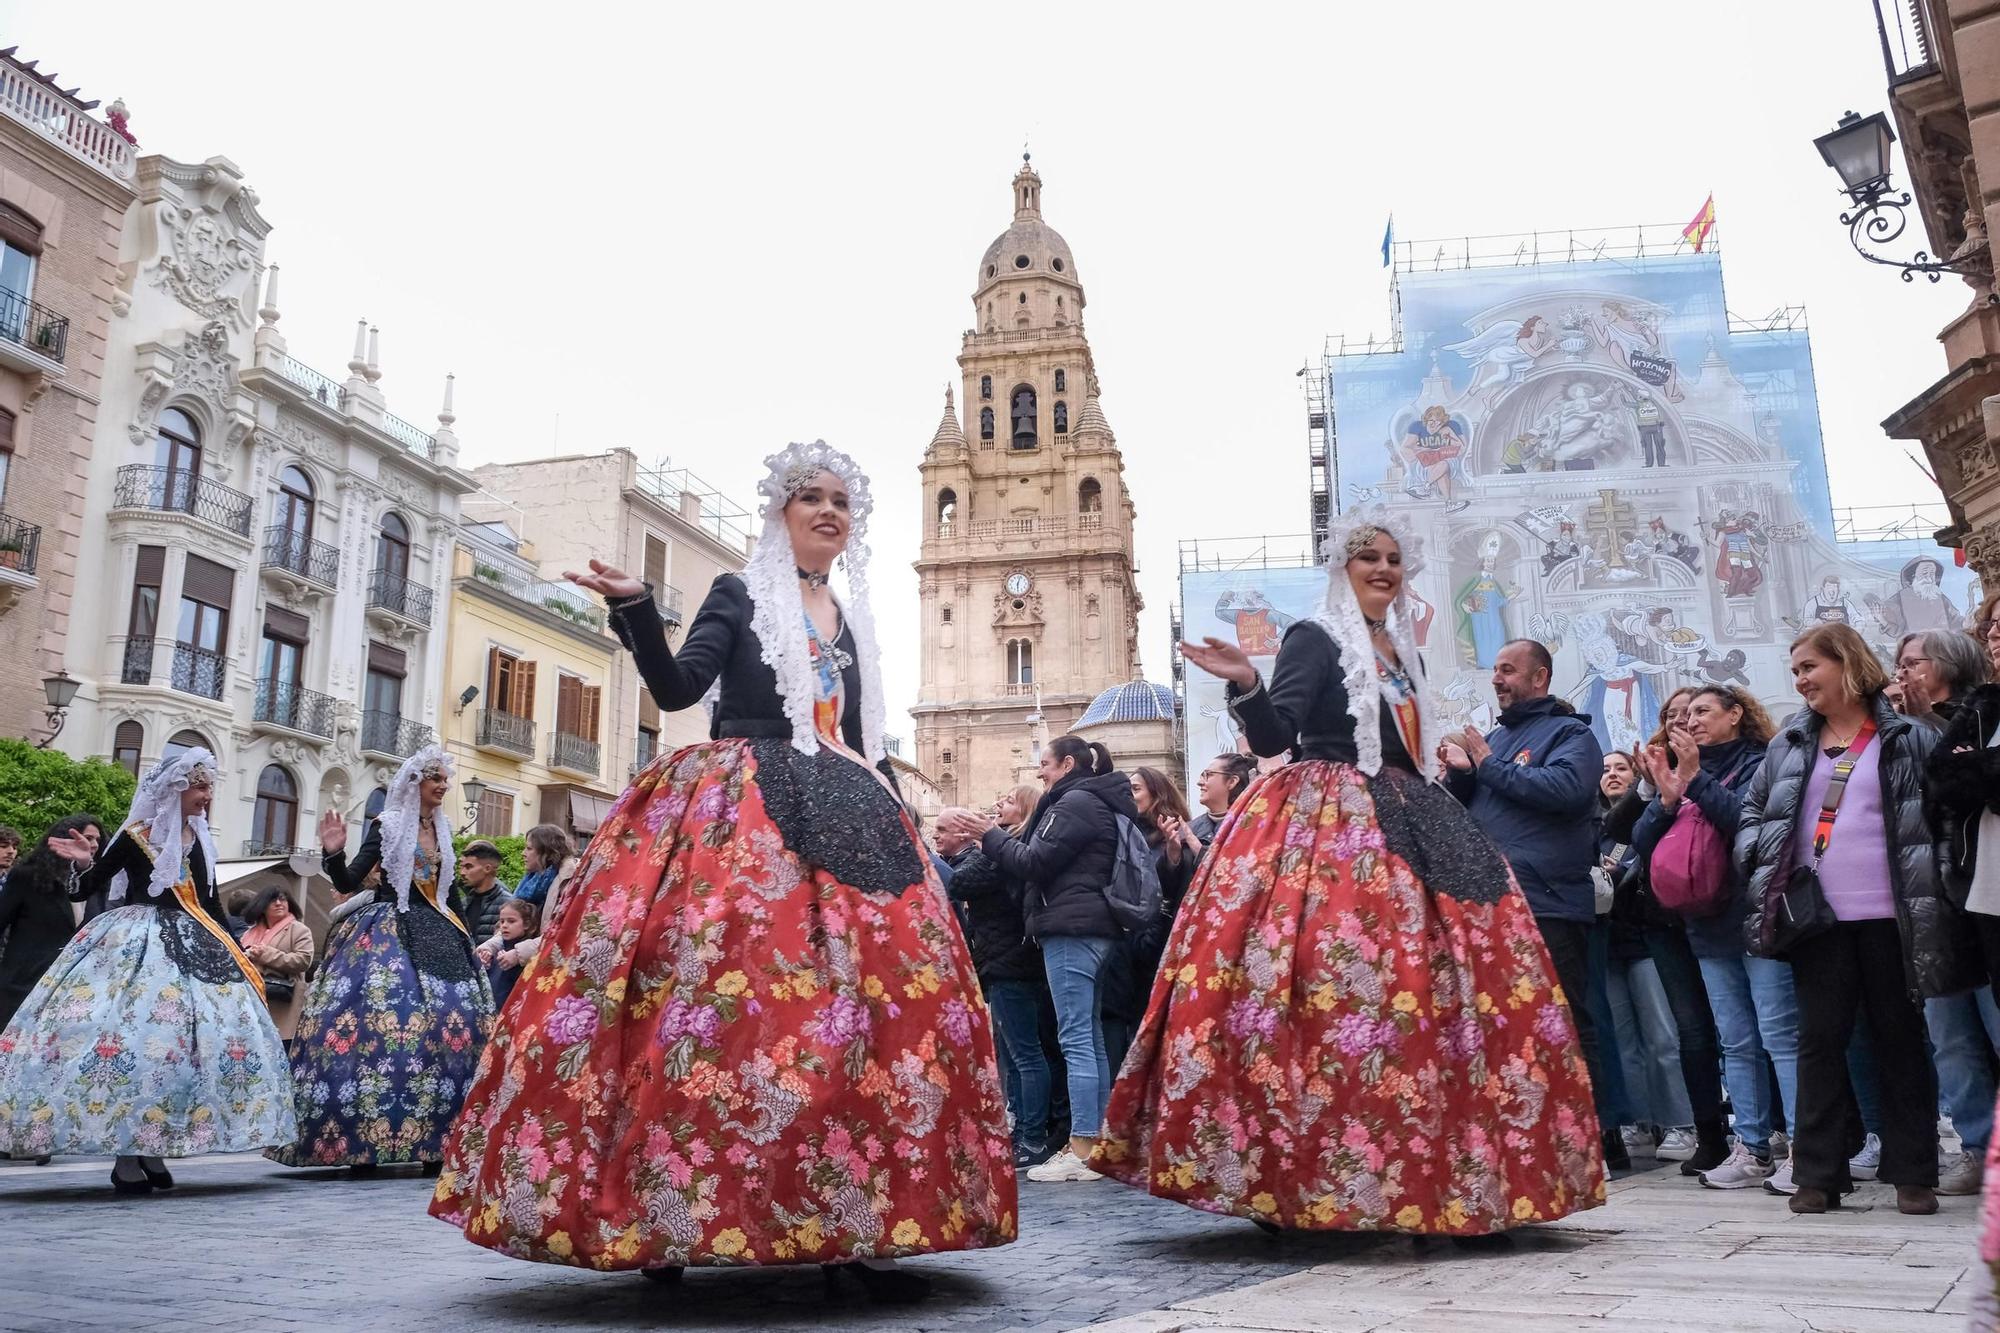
(402, 817)
(1341, 619)
(156, 808)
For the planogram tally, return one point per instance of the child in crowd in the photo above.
(519, 924)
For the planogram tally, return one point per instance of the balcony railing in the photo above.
(398, 596)
(296, 553)
(285, 703)
(20, 543)
(416, 441)
(137, 666)
(668, 598)
(648, 750)
(1904, 27)
(171, 490)
(504, 731)
(572, 752)
(321, 388)
(392, 734)
(198, 671)
(56, 118)
(559, 599)
(254, 847)
(28, 324)
(990, 531)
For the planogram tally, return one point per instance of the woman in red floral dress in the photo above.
(752, 1034)
(1356, 1026)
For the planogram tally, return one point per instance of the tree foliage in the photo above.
(38, 787)
(512, 867)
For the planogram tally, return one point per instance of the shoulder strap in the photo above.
(1836, 789)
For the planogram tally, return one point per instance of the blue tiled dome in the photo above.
(1134, 701)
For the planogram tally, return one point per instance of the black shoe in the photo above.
(44, 1160)
(361, 1169)
(885, 1286)
(667, 1275)
(1616, 1158)
(1267, 1226)
(1492, 1240)
(119, 1185)
(1711, 1148)
(433, 1169)
(161, 1179)
(1031, 1154)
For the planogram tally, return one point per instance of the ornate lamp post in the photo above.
(475, 793)
(60, 690)
(1858, 151)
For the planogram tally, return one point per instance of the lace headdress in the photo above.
(777, 610)
(157, 805)
(1340, 616)
(402, 815)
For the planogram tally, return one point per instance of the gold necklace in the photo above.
(1842, 743)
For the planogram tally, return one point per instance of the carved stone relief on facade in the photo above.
(201, 262)
(307, 440)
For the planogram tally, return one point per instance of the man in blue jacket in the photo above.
(1531, 784)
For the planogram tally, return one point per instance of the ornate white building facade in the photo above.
(268, 549)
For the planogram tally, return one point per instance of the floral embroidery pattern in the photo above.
(722, 1057)
(1333, 1044)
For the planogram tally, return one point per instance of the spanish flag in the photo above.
(1696, 232)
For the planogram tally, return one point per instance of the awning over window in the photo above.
(587, 812)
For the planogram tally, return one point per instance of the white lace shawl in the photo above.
(777, 612)
(402, 817)
(1340, 617)
(157, 807)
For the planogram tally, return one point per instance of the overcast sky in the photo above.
(703, 231)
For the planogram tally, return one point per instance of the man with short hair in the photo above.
(478, 893)
(10, 850)
(1531, 784)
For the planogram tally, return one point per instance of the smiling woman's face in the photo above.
(818, 519)
(1376, 572)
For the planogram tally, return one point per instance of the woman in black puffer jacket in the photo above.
(1066, 861)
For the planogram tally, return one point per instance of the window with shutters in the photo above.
(182, 741)
(510, 684)
(144, 622)
(656, 563)
(202, 627)
(569, 705)
(382, 690)
(496, 814)
(649, 746)
(126, 744)
(20, 247)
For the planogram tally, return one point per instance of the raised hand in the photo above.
(1454, 757)
(74, 848)
(607, 581)
(332, 832)
(1475, 746)
(1225, 661)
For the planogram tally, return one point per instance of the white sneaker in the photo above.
(1780, 1181)
(1865, 1164)
(1740, 1171)
(1637, 1138)
(1677, 1145)
(1065, 1165)
(1962, 1173)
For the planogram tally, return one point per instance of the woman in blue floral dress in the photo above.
(392, 1027)
(147, 1038)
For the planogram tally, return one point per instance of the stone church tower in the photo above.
(1030, 608)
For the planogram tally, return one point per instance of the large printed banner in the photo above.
(1250, 607)
(1593, 459)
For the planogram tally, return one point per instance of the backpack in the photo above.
(1134, 890)
(1690, 870)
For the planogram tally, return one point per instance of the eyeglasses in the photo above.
(1210, 773)
(1909, 662)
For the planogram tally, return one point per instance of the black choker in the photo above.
(812, 580)
(1375, 626)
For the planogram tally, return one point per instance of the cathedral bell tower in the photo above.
(1029, 601)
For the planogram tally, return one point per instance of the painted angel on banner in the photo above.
(1502, 353)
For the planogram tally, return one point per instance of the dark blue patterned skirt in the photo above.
(389, 1040)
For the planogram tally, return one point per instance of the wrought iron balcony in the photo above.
(285, 703)
(20, 543)
(32, 326)
(399, 597)
(255, 847)
(668, 599)
(296, 553)
(391, 734)
(573, 753)
(137, 667)
(506, 732)
(171, 490)
(198, 671)
(649, 750)
(322, 388)
(416, 441)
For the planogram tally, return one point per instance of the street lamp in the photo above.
(1858, 151)
(475, 793)
(60, 690)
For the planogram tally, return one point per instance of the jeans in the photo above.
(1756, 1013)
(1614, 1098)
(1016, 1007)
(1963, 1051)
(1075, 963)
(1694, 1021)
(1855, 969)
(1649, 1044)
(1569, 949)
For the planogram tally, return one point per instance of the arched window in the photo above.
(947, 511)
(1024, 434)
(1062, 417)
(392, 546)
(274, 820)
(1020, 662)
(985, 387)
(1089, 497)
(126, 743)
(177, 455)
(1062, 381)
(986, 424)
(183, 741)
(376, 800)
(295, 506)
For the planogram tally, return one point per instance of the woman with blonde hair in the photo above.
(1014, 807)
(1844, 885)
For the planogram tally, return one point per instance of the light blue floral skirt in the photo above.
(133, 1043)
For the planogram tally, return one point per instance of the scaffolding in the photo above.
(698, 502)
(1322, 466)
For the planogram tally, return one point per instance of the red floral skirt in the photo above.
(723, 1055)
(1356, 1026)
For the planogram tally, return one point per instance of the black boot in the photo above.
(1616, 1158)
(1711, 1148)
(667, 1275)
(885, 1286)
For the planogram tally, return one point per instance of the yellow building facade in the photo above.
(528, 663)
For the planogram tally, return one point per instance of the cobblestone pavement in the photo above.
(242, 1244)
